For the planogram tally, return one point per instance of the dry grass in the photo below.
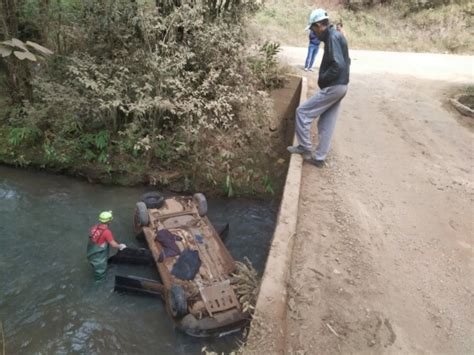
(282, 21)
(445, 29)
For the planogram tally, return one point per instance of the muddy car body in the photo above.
(205, 305)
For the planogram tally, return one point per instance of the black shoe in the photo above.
(317, 163)
(297, 149)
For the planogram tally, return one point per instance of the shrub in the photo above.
(173, 91)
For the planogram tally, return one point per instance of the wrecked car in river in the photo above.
(193, 263)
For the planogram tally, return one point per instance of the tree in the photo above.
(16, 54)
(9, 18)
(16, 72)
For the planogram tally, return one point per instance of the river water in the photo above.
(49, 302)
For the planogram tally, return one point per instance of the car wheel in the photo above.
(201, 203)
(141, 217)
(177, 301)
(153, 199)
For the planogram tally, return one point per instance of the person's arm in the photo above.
(110, 239)
(114, 244)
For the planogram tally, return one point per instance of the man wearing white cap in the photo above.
(333, 80)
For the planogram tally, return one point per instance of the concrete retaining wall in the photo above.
(267, 331)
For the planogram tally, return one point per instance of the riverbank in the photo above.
(136, 95)
(228, 171)
(257, 181)
(238, 174)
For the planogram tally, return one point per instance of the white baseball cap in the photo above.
(316, 16)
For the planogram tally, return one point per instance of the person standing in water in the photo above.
(100, 241)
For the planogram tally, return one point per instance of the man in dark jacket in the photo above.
(333, 80)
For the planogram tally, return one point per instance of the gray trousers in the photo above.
(325, 105)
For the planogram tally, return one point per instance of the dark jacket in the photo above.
(334, 69)
(167, 241)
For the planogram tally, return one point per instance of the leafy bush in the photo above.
(174, 91)
(23, 135)
(266, 67)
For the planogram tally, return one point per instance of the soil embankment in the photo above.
(383, 257)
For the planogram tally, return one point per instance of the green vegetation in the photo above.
(467, 97)
(399, 25)
(164, 92)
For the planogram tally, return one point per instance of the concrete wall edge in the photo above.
(267, 331)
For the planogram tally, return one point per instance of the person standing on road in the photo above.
(333, 80)
(100, 240)
(313, 49)
(340, 28)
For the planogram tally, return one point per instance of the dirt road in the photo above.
(383, 259)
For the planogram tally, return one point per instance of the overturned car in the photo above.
(195, 268)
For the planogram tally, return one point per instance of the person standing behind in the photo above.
(313, 49)
(100, 240)
(340, 28)
(333, 80)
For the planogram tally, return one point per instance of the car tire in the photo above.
(141, 217)
(201, 203)
(153, 199)
(177, 301)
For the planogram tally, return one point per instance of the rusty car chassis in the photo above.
(207, 304)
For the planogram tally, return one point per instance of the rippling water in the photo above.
(49, 302)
